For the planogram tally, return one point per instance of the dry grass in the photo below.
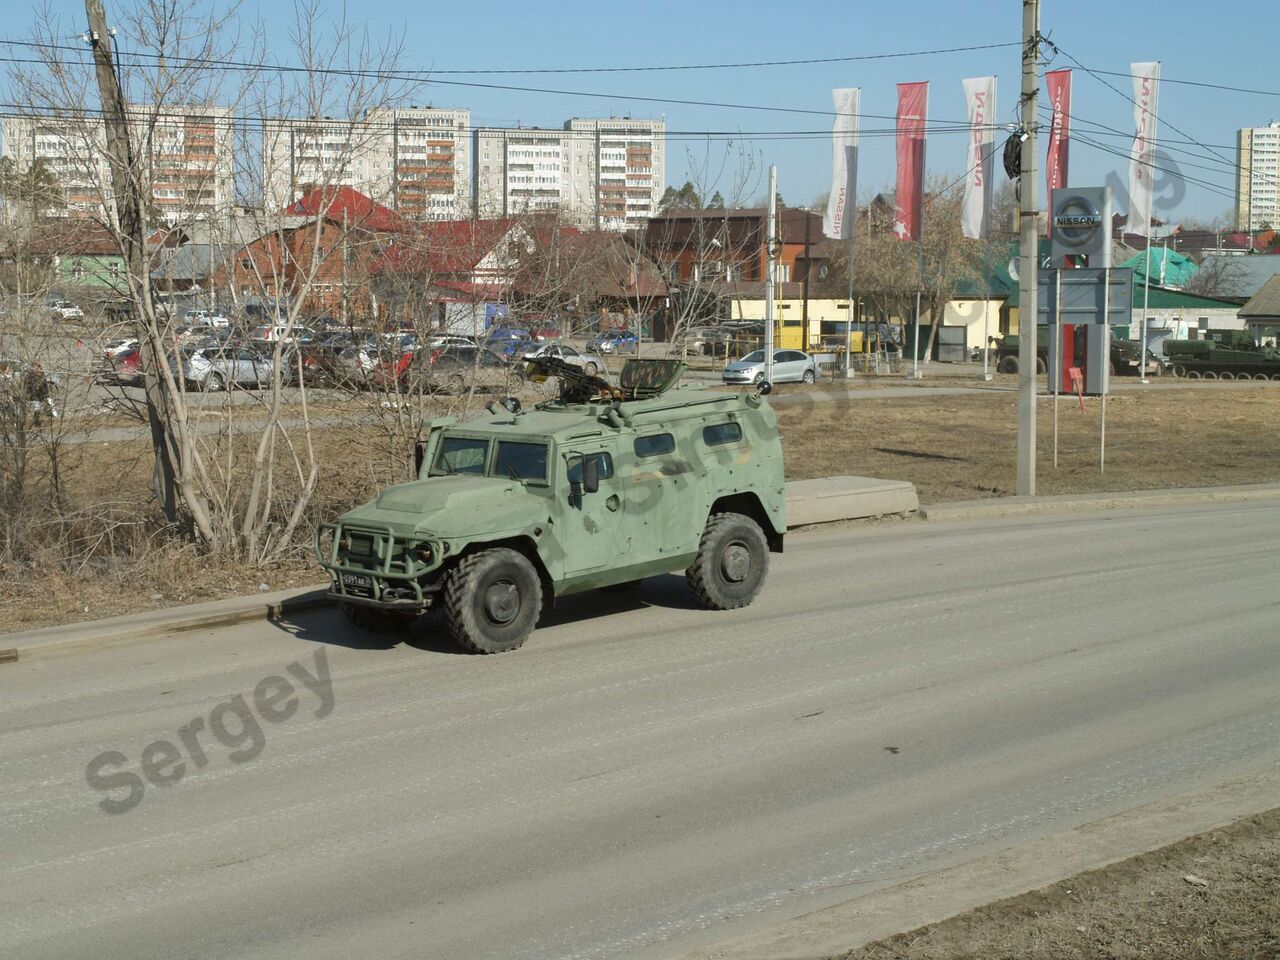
(964, 447)
(1139, 909)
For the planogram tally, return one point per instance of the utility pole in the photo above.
(771, 247)
(1030, 237)
(128, 204)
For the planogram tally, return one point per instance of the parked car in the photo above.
(208, 318)
(789, 366)
(123, 368)
(455, 370)
(271, 332)
(614, 341)
(65, 310)
(218, 368)
(707, 341)
(591, 363)
(118, 346)
(450, 340)
(356, 363)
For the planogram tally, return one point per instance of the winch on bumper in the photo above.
(371, 566)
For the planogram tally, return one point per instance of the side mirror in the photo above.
(590, 474)
(419, 454)
(765, 388)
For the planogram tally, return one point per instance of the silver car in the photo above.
(789, 366)
(217, 368)
(591, 363)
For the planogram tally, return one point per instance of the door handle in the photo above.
(613, 502)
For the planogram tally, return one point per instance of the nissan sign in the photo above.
(1081, 224)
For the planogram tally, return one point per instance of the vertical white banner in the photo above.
(1142, 158)
(842, 203)
(980, 101)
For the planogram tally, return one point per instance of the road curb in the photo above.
(16, 647)
(952, 891)
(1002, 507)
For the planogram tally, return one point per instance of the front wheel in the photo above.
(591, 369)
(1007, 365)
(492, 600)
(732, 560)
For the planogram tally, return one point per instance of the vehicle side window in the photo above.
(655, 445)
(606, 467)
(721, 433)
(521, 461)
(462, 455)
(488, 359)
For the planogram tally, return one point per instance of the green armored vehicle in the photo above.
(1223, 355)
(601, 487)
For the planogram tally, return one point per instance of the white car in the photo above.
(450, 341)
(591, 363)
(65, 310)
(113, 348)
(205, 318)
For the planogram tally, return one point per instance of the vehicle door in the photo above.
(788, 365)
(592, 518)
(662, 509)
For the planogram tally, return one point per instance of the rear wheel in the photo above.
(492, 600)
(1041, 366)
(455, 384)
(732, 560)
(808, 377)
(590, 369)
(214, 382)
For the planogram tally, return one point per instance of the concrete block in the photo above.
(847, 498)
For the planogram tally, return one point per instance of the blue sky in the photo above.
(1203, 42)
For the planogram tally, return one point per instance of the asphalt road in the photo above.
(643, 777)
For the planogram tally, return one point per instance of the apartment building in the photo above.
(414, 160)
(619, 164)
(604, 174)
(188, 159)
(1258, 177)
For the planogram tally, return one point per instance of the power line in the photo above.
(141, 59)
(639, 69)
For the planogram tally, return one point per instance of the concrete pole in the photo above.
(771, 231)
(1029, 272)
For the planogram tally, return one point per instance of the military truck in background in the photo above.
(1223, 355)
(601, 487)
(1125, 354)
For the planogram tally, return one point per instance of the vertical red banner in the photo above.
(913, 110)
(1055, 167)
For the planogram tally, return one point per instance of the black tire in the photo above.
(1226, 375)
(515, 382)
(1007, 365)
(1042, 367)
(1210, 374)
(1111, 367)
(590, 369)
(1179, 370)
(808, 377)
(732, 561)
(1259, 376)
(377, 622)
(214, 383)
(759, 379)
(455, 384)
(492, 600)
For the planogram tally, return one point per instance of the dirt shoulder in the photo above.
(1215, 895)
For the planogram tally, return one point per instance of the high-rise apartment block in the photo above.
(606, 174)
(187, 157)
(414, 160)
(1257, 177)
